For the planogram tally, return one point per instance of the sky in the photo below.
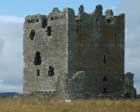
(13, 12)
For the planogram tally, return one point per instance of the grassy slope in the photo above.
(36, 105)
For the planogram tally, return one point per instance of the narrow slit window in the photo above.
(116, 37)
(51, 71)
(49, 31)
(37, 60)
(32, 34)
(77, 30)
(104, 59)
(38, 72)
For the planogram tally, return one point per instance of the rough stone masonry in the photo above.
(70, 56)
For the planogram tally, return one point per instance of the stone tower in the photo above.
(69, 56)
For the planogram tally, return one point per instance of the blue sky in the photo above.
(25, 7)
(13, 12)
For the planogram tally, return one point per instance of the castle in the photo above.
(76, 56)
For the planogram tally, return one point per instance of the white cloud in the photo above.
(11, 48)
(132, 55)
(11, 19)
(10, 88)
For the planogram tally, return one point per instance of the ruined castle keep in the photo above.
(76, 56)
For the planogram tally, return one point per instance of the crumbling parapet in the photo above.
(129, 89)
(99, 10)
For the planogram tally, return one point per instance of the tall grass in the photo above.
(39, 105)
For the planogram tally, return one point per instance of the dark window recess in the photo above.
(51, 71)
(109, 20)
(116, 35)
(77, 30)
(104, 79)
(104, 59)
(37, 20)
(44, 23)
(37, 60)
(32, 34)
(97, 19)
(128, 95)
(30, 21)
(49, 31)
(104, 90)
(38, 72)
(52, 18)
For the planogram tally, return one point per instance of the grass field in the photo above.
(38, 105)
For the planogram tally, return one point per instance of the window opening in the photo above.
(104, 79)
(52, 18)
(104, 59)
(32, 34)
(44, 23)
(105, 90)
(37, 60)
(51, 71)
(38, 72)
(49, 31)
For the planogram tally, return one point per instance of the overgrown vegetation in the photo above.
(40, 105)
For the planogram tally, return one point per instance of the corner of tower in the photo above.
(37, 21)
(112, 19)
(69, 12)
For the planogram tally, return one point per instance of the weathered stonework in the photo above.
(69, 56)
(129, 89)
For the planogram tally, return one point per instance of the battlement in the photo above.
(38, 20)
(35, 18)
(56, 14)
(98, 11)
(109, 18)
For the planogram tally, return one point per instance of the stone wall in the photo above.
(100, 51)
(50, 41)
